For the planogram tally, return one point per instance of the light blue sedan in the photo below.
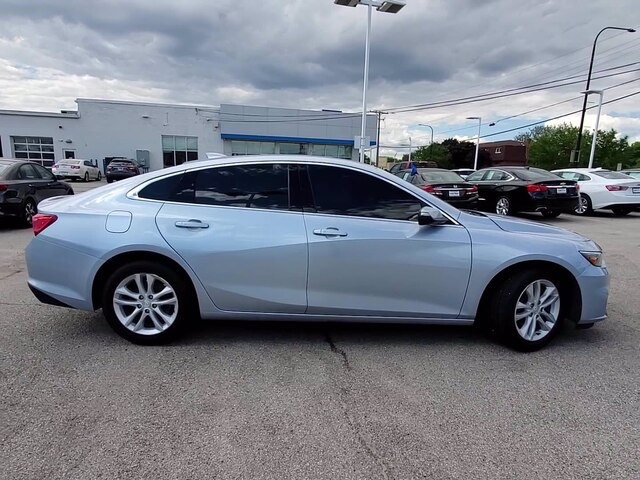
(305, 238)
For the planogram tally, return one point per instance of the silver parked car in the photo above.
(304, 238)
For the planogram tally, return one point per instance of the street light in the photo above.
(387, 6)
(584, 105)
(430, 144)
(475, 161)
(595, 130)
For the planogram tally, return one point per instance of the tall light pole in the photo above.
(576, 152)
(387, 6)
(595, 130)
(430, 145)
(475, 160)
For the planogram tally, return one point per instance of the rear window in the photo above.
(70, 162)
(533, 174)
(440, 176)
(609, 175)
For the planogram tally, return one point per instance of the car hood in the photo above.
(517, 225)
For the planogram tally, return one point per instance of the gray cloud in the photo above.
(300, 52)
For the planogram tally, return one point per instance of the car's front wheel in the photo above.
(146, 303)
(86, 176)
(526, 309)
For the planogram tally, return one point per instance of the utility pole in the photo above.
(380, 113)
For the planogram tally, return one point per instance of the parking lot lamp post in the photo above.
(576, 157)
(387, 6)
(595, 130)
(475, 161)
(430, 144)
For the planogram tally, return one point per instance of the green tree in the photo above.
(550, 147)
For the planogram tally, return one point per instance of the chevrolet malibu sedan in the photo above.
(309, 239)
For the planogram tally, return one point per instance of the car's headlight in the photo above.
(594, 258)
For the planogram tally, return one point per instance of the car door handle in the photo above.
(192, 224)
(329, 232)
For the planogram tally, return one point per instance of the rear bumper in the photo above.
(44, 298)
(567, 204)
(471, 203)
(10, 209)
(119, 175)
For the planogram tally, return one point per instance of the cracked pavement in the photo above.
(273, 400)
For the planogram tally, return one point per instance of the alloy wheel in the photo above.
(537, 310)
(503, 206)
(29, 212)
(145, 303)
(582, 207)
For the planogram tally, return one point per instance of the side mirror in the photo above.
(431, 216)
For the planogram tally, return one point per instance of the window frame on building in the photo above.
(178, 153)
(36, 148)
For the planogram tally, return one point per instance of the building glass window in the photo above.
(240, 147)
(34, 148)
(178, 149)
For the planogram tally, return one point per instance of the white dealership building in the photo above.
(160, 135)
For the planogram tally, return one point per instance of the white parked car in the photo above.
(463, 172)
(600, 188)
(76, 169)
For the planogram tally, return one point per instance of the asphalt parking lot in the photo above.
(269, 400)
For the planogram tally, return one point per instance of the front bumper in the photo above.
(594, 290)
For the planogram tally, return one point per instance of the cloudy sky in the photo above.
(309, 54)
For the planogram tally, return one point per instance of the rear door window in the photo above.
(27, 172)
(249, 186)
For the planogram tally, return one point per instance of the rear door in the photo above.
(53, 187)
(31, 182)
(233, 225)
(369, 257)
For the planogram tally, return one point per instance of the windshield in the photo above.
(440, 176)
(609, 175)
(533, 174)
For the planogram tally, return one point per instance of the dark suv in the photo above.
(121, 168)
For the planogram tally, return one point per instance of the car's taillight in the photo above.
(537, 188)
(428, 188)
(3, 187)
(41, 221)
(132, 169)
(577, 187)
(616, 188)
(473, 189)
(75, 167)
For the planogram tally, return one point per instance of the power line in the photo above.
(559, 116)
(501, 94)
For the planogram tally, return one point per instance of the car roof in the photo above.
(15, 161)
(582, 170)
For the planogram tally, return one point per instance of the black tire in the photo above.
(86, 176)
(504, 206)
(550, 213)
(621, 211)
(502, 309)
(584, 207)
(29, 209)
(99, 176)
(109, 180)
(185, 303)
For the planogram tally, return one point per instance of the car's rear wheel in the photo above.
(550, 213)
(28, 211)
(584, 206)
(86, 176)
(527, 310)
(504, 206)
(621, 211)
(146, 303)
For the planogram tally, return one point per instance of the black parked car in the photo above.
(508, 190)
(121, 168)
(447, 185)
(23, 185)
(399, 166)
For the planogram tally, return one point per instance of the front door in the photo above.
(233, 226)
(369, 257)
